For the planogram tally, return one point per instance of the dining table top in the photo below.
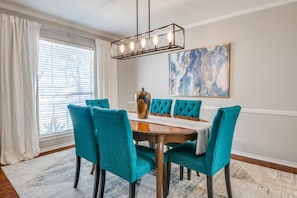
(143, 131)
(166, 125)
(155, 128)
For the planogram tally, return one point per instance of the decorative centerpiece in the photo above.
(143, 100)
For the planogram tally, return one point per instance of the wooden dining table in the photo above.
(160, 134)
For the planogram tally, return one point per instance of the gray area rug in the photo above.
(52, 176)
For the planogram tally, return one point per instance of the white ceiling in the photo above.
(119, 16)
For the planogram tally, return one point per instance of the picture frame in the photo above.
(202, 72)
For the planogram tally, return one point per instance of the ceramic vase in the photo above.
(143, 100)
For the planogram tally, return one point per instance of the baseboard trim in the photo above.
(56, 150)
(56, 147)
(265, 162)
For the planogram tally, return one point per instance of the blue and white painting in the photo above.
(200, 72)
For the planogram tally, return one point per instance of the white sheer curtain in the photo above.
(106, 73)
(18, 72)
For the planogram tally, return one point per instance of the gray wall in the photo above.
(262, 65)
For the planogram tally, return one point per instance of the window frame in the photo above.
(67, 132)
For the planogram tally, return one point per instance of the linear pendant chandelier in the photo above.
(167, 38)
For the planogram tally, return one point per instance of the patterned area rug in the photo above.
(52, 176)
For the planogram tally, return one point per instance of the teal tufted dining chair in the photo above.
(85, 139)
(104, 103)
(218, 150)
(118, 153)
(161, 107)
(186, 109)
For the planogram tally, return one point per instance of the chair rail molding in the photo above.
(258, 111)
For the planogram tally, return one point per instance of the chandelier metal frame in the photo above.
(167, 38)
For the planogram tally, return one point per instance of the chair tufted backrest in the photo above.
(187, 108)
(218, 150)
(103, 103)
(85, 139)
(161, 107)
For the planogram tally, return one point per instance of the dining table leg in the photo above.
(160, 161)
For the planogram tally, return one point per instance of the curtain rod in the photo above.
(68, 34)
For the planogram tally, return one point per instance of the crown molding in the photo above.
(239, 13)
(11, 6)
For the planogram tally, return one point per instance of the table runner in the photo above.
(202, 128)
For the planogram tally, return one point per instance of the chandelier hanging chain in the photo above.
(149, 18)
(137, 19)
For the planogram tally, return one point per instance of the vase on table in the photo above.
(143, 100)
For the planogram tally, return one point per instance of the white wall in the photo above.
(263, 68)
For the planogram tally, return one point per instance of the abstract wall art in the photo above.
(200, 72)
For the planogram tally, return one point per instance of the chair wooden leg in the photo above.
(209, 187)
(197, 173)
(165, 178)
(77, 171)
(93, 169)
(228, 181)
(96, 181)
(181, 172)
(168, 171)
(138, 181)
(189, 174)
(151, 145)
(132, 189)
(102, 175)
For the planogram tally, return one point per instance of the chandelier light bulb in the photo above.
(155, 41)
(143, 42)
(132, 46)
(169, 37)
(122, 48)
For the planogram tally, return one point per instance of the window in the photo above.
(65, 75)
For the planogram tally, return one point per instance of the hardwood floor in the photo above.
(7, 190)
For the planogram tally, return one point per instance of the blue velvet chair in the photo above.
(118, 154)
(85, 139)
(186, 109)
(161, 107)
(98, 103)
(218, 150)
(103, 103)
